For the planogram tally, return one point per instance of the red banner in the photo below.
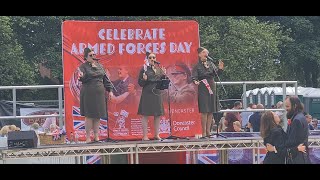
(122, 46)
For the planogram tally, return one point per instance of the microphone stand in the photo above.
(108, 139)
(169, 107)
(217, 121)
(214, 69)
(105, 73)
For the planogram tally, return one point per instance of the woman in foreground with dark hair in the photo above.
(272, 133)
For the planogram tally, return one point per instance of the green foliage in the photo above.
(300, 58)
(254, 48)
(250, 48)
(14, 68)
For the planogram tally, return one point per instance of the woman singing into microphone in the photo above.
(202, 75)
(92, 93)
(151, 102)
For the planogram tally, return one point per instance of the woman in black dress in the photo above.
(151, 102)
(272, 133)
(92, 93)
(202, 75)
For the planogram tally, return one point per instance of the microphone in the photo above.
(96, 59)
(210, 58)
(157, 62)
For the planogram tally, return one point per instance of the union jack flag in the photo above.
(208, 157)
(146, 64)
(78, 120)
(103, 124)
(262, 155)
(95, 159)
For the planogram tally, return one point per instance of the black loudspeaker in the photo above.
(22, 139)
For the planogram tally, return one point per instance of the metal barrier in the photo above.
(14, 101)
(244, 98)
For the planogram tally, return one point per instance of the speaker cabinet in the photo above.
(22, 139)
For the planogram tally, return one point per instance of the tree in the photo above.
(250, 48)
(14, 68)
(300, 58)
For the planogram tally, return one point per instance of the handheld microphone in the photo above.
(210, 58)
(157, 62)
(96, 59)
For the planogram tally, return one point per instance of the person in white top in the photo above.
(49, 121)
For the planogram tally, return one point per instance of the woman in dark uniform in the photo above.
(151, 102)
(272, 133)
(92, 93)
(202, 75)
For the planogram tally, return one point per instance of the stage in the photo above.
(134, 148)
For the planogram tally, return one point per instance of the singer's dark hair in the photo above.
(86, 52)
(149, 53)
(200, 49)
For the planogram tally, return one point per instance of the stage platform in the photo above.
(134, 148)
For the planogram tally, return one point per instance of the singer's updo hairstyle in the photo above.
(200, 49)
(86, 53)
(149, 53)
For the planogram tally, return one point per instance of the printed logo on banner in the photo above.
(208, 157)
(316, 153)
(121, 120)
(96, 159)
(235, 154)
(240, 156)
(164, 125)
(120, 125)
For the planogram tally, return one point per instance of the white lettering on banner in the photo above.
(141, 48)
(179, 111)
(120, 132)
(121, 35)
(184, 128)
(131, 48)
(110, 49)
(182, 125)
(139, 34)
(130, 34)
(100, 34)
(109, 36)
(181, 47)
(94, 47)
(115, 34)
